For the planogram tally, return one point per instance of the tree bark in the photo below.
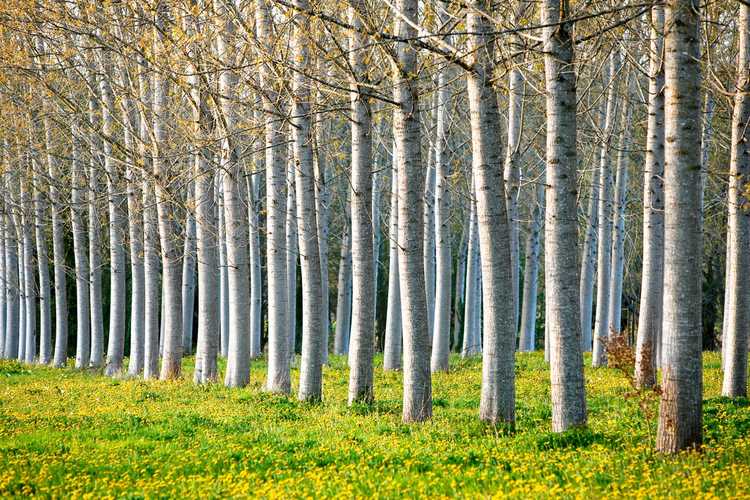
(560, 233)
(652, 272)
(527, 341)
(392, 349)
(680, 411)
(417, 405)
(738, 317)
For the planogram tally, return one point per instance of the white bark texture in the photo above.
(680, 411)
(560, 233)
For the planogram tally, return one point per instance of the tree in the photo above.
(738, 317)
(650, 318)
(560, 255)
(680, 414)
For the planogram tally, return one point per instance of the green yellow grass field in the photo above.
(67, 433)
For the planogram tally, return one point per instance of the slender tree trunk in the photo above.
(42, 262)
(561, 241)
(235, 215)
(588, 256)
(362, 338)
(78, 226)
(417, 377)
(458, 301)
(29, 283)
(441, 335)
(472, 338)
(618, 234)
(207, 347)
(95, 257)
(278, 379)
(223, 277)
(738, 318)
(311, 365)
(344, 299)
(188, 276)
(3, 277)
(652, 272)
(292, 254)
(604, 238)
(497, 404)
(13, 305)
(134, 220)
(256, 275)
(170, 253)
(428, 237)
(527, 342)
(680, 412)
(392, 348)
(322, 202)
(151, 302)
(116, 203)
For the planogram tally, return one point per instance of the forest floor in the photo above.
(68, 433)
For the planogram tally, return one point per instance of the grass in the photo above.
(68, 433)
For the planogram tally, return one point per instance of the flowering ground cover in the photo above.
(70, 433)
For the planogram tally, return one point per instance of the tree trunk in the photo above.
(362, 336)
(235, 215)
(78, 226)
(497, 404)
(417, 377)
(588, 256)
(392, 348)
(13, 305)
(188, 276)
(527, 342)
(42, 262)
(278, 379)
(618, 235)
(652, 272)
(680, 412)
(116, 204)
(560, 233)
(738, 317)
(29, 283)
(313, 337)
(604, 237)
(170, 253)
(95, 259)
(344, 299)
(472, 338)
(292, 254)
(443, 259)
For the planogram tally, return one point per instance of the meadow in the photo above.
(69, 433)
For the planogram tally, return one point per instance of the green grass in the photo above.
(68, 433)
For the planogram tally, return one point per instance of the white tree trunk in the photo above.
(362, 338)
(392, 348)
(78, 226)
(313, 337)
(604, 237)
(344, 298)
(322, 203)
(29, 283)
(223, 278)
(497, 404)
(256, 274)
(652, 271)
(12, 301)
(170, 252)
(42, 263)
(3, 277)
(292, 254)
(116, 204)
(680, 412)
(278, 379)
(738, 311)
(417, 405)
(560, 233)
(458, 301)
(95, 259)
(527, 341)
(235, 215)
(443, 259)
(188, 276)
(472, 338)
